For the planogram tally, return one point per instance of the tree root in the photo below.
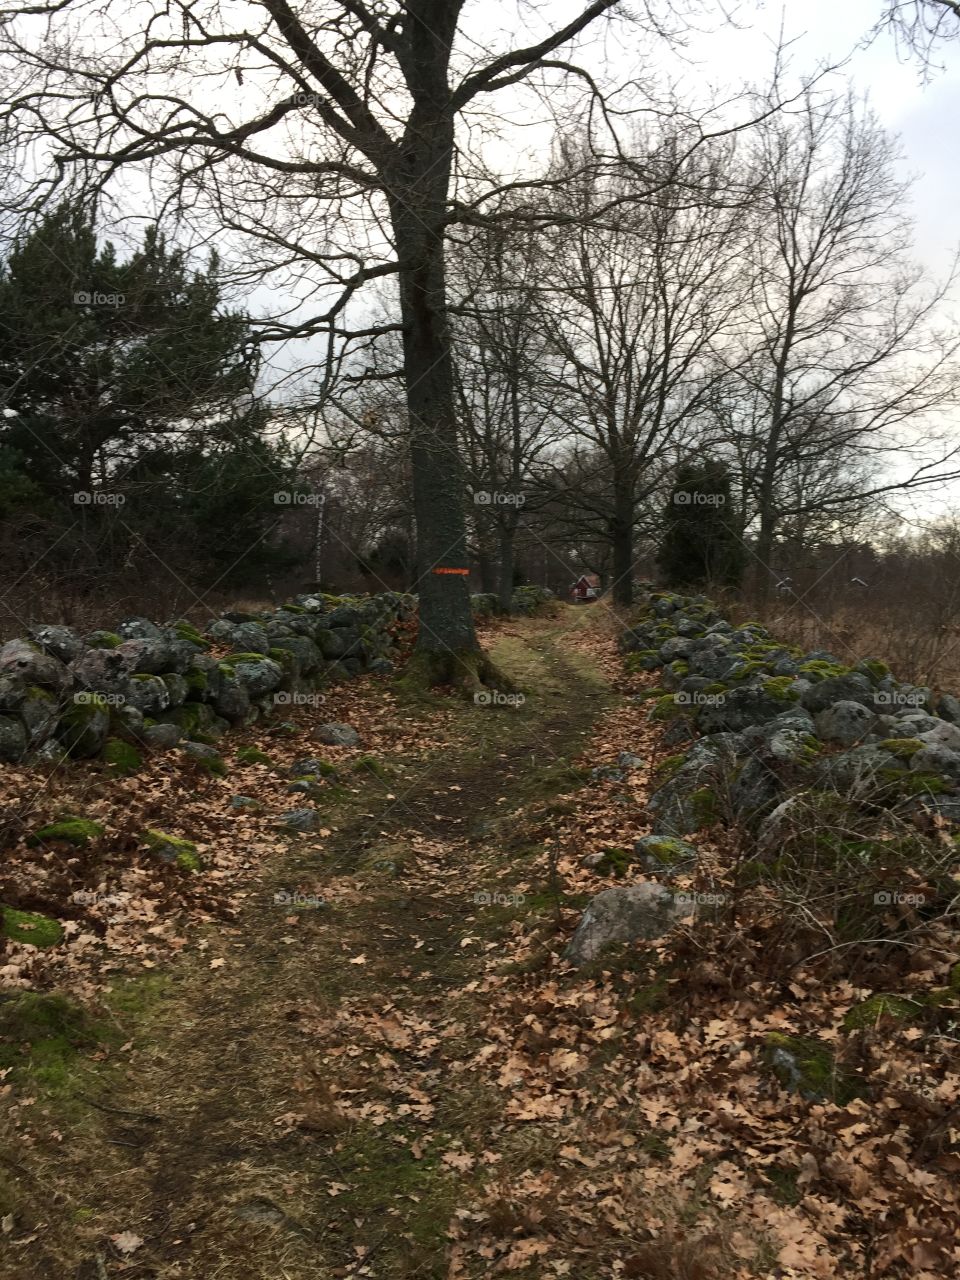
(467, 672)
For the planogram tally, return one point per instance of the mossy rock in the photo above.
(198, 682)
(669, 766)
(121, 758)
(648, 695)
(294, 608)
(872, 1011)
(680, 668)
(30, 926)
(103, 640)
(779, 687)
(616, 861)
(667, 708)
(902, 747)
(187, 631)
(74, 830)
(705, 807)
(667, 849)
(173, 849)
(807, 1066)
(253, 755)
(244, 657)
(873, 668)
(819, 669)
(370, 764)
(41, 1037)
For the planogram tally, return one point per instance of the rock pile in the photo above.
(145, 685)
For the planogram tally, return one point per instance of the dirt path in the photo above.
(300, 1094)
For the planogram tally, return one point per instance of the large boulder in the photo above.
(739, 708)
(257, 675)
(939, 760)
(139, 629)
(948, 708)
(148, 694)
(843, 688)
(149, 655)
(941, 735)
(27, 662)
(13, 739)
(624, 914)
(845, 722)
(103, 670)
(84, 727)
(62, 642)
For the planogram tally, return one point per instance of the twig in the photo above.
(120, 1111)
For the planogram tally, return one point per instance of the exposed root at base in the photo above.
(467, 671)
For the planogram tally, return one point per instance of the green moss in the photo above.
(705, 807)
(253, 755)
(916, 784)
(616, 861)
(214, 765)
(104, 640)
(41, 1037)
(173, 849)
(902, 747)
(294, 608)
(648, 695)
(30, 926)
(667, 708)
(187, 631)
(78, 714)
(669, 766)
(227, 669)
(779, 687)
(680, 668)
(819, 669)
(197, 681)
(874, 668)
(370, 764)
(121, 757)
(871, 1011)
(808, 1066)
(74, 830)
(667, 850)
(246, 657)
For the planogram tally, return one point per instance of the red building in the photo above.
(586, 587)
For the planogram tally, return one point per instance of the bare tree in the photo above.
(315, 120)
(507, 391)
(644, 299)
(846, 361)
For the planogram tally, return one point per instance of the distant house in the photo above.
(586, 587)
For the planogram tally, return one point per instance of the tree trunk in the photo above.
(508, 530)
(621, 535)
(447, 648)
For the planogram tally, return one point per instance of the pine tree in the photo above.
(702, 541)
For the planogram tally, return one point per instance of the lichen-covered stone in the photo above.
(627, 914)
(73, 830)
(337, 735)
(172, 849)
(28, 662)
(207, 757)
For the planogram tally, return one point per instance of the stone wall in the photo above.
(146, 684)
